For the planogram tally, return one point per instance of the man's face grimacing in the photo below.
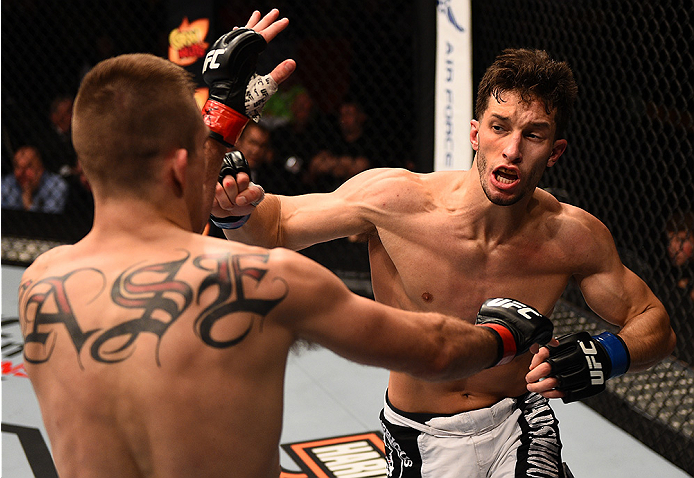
(514, 141)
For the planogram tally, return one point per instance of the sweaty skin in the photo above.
(445, 241)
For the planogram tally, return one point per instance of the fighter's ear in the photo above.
(179, 170)
(557, 150)
(474, 134)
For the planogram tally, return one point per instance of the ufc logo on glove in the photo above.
(211, 60)
(523, 309)
(596, 375)
(606, 356)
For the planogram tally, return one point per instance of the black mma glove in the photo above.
(517, 326)
(236, 91)
(582, 364)
(234, 162)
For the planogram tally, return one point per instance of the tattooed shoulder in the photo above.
(148, 298)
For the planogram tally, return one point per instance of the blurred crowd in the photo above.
(298, 149)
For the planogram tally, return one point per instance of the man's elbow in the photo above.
(669, 337)
(665, 346)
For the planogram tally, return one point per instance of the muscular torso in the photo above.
(430, 253)
(156, 361)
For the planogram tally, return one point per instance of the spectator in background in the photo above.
(104, 47)
(31, 187)
(56, 142)
(678, 286)
(298, 140)
(351, 150)
(680, 233)
(254, 143)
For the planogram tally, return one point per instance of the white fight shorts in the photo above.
(516, 437)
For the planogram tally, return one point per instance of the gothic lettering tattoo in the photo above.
(152, 299)
(132, 292)
(55, 294)
(221, 307)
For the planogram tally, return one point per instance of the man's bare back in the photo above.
(148, 342)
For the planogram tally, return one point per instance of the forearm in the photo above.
(513, 325)
(623, 299)
(263, 227)
(431, 346)
(468, 350)
(579, 364)
(297, 222)
(649, 337)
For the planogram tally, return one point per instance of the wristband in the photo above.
(226, 124)
(617, 351)
(230, 222)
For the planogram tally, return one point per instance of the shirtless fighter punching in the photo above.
(446, 241)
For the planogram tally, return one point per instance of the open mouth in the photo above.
(505, 176)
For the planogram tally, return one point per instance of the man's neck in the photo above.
(492, 221)
(129, 216)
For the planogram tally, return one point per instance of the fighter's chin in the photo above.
(503, 200)
(500, 198)
(502, 193)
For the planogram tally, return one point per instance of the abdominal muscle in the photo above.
(481, 390)
(422, 272)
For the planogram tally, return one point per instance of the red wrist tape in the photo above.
(507, 342)
(223, 121)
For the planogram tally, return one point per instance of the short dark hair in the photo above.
(533, 74)
(680, 221)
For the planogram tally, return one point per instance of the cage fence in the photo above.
(629, 162)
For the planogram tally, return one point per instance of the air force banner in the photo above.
(453, 87)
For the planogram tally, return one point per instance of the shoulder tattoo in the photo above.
(152, 298)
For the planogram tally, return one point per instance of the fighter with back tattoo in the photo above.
(155, 351)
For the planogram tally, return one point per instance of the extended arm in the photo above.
(296, 222)
(319, 308)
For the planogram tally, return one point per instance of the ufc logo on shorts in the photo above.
(211, 60)
(596, 375)
(523, 309)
